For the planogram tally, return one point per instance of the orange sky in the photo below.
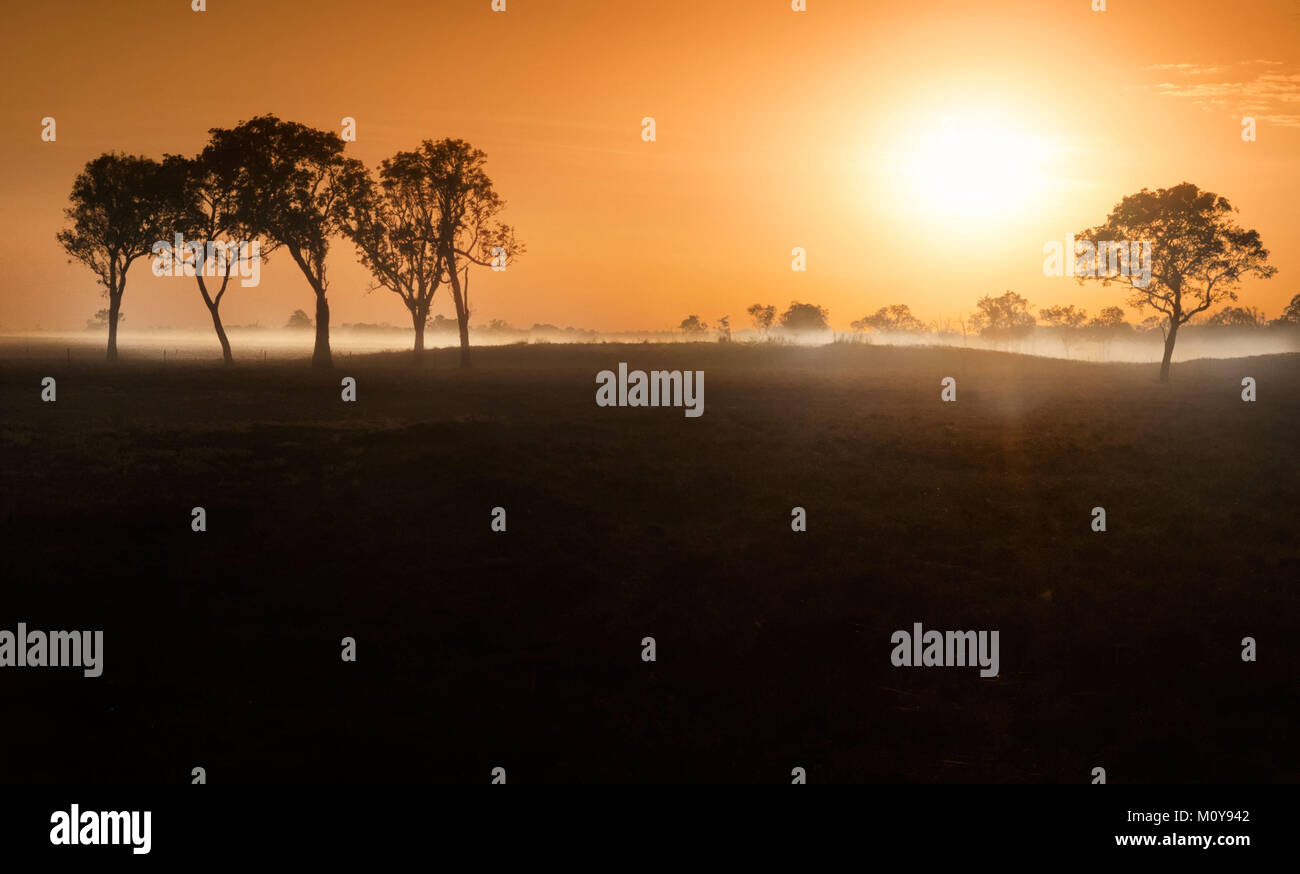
(776, 129)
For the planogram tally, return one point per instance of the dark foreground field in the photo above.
(523, 650)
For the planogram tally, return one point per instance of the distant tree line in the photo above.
(798, 318)
(1004, 317)
(1199, 257)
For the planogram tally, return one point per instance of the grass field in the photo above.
(523, 650)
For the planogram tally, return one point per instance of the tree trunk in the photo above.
(1169, 350)
(114, 306)
(462, 317)
(417, 320)
(221, 335)
(320, 358)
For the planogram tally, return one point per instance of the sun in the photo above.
(968, 167)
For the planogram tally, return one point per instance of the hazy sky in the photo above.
(835, 129)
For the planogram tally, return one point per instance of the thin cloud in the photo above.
(1270, 97)
(1186, 69)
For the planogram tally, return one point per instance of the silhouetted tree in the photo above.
(896, 318)
(209, 216)
(1066, 320)
(1291, 314)
(1237, 317)
(295, 186)
(1107, 325)
(298, 320)
(1198, 254)
(691, 326)
(395, 226)
(1109, 318)
(1151, 324)
(724, 329)
(1002, 317)
(469, 231)
(1063, 316)
(120, 204)
(100, 319)
(763, 316)
(805, 318)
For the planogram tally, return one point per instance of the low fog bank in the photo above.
(1194, 341)
(254, 343)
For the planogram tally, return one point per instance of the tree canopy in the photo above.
(1198, 254)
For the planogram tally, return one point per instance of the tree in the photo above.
(1063, 316)
(1291, 314)
(805, 318)
(298, 320)
(1151, 324)
(1065, 319)
(1237, 317)
(119, 210)
(100, 319)
(724, 329)
(691, 326)
(395, 226)
(1108, 324)
(469, 230)
(1004, 316)
(896, 318)
(295, 185)
(763, 316)
(1110, 318)
(210, 217)
(1199, 254)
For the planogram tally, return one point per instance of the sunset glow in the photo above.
(968, 167)
(947, 134)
